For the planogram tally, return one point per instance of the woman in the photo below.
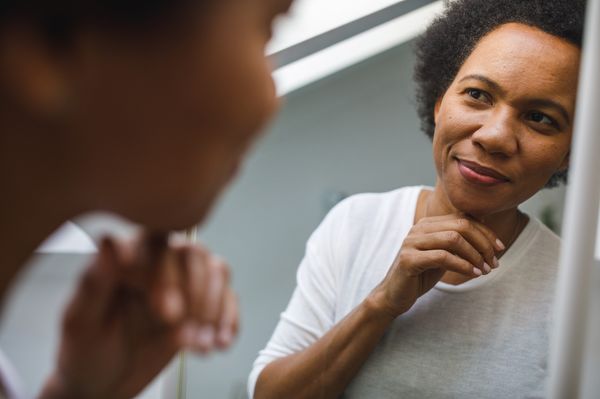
(446, 292)
(145, 109)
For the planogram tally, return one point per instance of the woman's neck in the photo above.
(436, 203)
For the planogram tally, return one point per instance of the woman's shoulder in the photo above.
(540, 250)
(367, 206)
(368, 218)
(543, 239)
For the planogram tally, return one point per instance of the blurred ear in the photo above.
(31, 73)
(565, 163)
(436, 109)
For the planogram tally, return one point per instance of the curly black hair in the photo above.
(450, 39)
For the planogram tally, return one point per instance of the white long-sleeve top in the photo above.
(486, 338)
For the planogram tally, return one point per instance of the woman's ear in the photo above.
(565, 162)
(436, 109)
(31, 72)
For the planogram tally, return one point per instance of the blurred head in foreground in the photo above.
(143, 108)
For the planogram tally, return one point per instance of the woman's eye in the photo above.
(539, 117)
(478, 95)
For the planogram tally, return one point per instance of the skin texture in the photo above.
(505, 127)
(150, 124)
(461, 228)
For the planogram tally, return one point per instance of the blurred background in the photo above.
(341, 130)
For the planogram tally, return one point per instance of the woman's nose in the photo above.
(498, 134)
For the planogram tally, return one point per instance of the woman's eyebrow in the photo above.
(484, 79)
(546, 103)
(536, 102)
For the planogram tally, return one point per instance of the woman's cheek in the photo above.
(262, 101)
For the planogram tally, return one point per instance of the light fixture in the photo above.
(303, 59)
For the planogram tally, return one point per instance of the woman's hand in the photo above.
(434, 246)
(137, 305)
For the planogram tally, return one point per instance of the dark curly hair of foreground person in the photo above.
(450, 39)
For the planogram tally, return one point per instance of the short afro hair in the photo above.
(450, 39)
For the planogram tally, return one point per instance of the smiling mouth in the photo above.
(478, 174)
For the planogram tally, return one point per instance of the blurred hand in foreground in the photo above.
(137, 305)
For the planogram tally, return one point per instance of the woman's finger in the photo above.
(193, 263)
(482, 238)
(492, 237)
(167, 294)
(103, 280)
(215, 288)
(139, 258)
(151, 269)
(94, 293)
(489, 233)
(205, 290)
(228, 325)
(470, 232)
(418, 262)
(453, 242)
(437, 219)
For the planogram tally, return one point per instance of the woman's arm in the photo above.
(324, 368)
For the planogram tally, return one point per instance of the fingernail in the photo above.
(496, 262)
(487, 268)
(477, 271)
(226, 336)
(500, 244)
(188, 335)
(205, 337)
(173, 304)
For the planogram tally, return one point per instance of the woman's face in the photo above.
(171, 115)
(504, 126)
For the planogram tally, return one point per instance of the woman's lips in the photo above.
(478, 174)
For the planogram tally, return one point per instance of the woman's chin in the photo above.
(479, 211)
(476, 208)
(474, 202)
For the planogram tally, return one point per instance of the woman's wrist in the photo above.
(377, 305)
